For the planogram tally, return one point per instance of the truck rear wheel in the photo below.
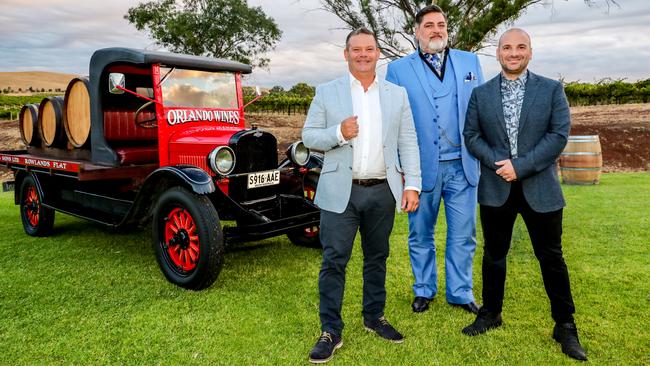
(37, 219)
(187, 239)
(308, 236)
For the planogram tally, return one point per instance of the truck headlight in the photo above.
(298, 153)
(222, 160)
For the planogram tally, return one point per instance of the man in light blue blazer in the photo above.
(364, 126)
(439, 82)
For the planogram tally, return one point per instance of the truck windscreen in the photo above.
(199, 89)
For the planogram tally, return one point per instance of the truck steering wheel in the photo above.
(146, 123)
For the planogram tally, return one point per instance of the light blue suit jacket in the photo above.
(331, 105)
(409, 72)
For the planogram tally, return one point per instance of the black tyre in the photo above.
(187, 239)
(37, 219)
(309, 236)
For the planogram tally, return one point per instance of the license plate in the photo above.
(263, 179)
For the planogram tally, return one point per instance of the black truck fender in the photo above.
(18, 180)
(191, 177)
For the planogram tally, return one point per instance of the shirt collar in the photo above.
(440, 54)
(355, 82)
(521, 79)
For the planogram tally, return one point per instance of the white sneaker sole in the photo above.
(337, 346)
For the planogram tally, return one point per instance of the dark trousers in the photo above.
(545, 231)
(371, 210)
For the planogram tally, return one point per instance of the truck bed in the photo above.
(80, 169)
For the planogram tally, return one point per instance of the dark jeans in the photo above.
(545, 231)
(371, 210)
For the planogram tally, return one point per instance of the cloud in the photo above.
(571, 40)
(583, 43)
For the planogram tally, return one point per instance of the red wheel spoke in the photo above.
(177, 221)
(180, 229)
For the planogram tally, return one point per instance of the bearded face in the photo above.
(431, 33)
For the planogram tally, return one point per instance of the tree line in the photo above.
(607, 91)
(296, 100)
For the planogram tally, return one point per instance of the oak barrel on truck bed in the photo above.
(76, 111)
(29, 125)
(50, 121)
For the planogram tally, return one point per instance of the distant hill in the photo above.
(35, 79)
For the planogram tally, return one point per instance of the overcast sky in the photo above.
(570, 40)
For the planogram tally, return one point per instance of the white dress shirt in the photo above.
(367, 147)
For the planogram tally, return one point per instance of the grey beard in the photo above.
(434, 46)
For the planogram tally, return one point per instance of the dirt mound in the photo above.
(624, 132)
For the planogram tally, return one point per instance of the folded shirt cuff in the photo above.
(411, 188)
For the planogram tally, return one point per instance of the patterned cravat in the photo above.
(434, 60)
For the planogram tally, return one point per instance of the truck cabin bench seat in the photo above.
(132, 143)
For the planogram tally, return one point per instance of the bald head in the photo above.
(512, 31)
(514, 52)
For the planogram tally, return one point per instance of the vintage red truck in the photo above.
(160, 138)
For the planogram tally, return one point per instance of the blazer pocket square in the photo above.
(470, 77)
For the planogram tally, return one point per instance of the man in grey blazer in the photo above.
(517, 125)
(364, 126)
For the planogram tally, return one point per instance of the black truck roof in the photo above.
(106, 56)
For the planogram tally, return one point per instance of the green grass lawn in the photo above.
(89, 295)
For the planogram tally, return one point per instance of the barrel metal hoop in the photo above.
(581, 153)
(589, 169)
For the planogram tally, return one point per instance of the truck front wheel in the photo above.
(37, 219)
(308, 236)
(187, 239)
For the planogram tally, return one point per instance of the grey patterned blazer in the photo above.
(544, 127)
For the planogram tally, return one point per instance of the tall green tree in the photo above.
(470, 22)
(303, 90)
(217, 28)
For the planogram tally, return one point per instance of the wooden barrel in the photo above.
(582, 160)
(76, 111)
(50, 121)
(29, 125)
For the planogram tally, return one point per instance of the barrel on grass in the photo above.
(29, 125)
(76, 111)
(50, 121)
(582, 160)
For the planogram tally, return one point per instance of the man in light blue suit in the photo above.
(439, 82)
(364, 126)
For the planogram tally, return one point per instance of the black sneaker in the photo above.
(484, 321)
(383, 329)
(566, 334)
(324, 349)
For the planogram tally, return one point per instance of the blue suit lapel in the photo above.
(529, 98)
(459, 81)
(386, 107)
(416, 64)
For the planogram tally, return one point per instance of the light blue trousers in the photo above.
(460, 211)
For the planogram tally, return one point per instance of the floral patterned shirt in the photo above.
(512, 94)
